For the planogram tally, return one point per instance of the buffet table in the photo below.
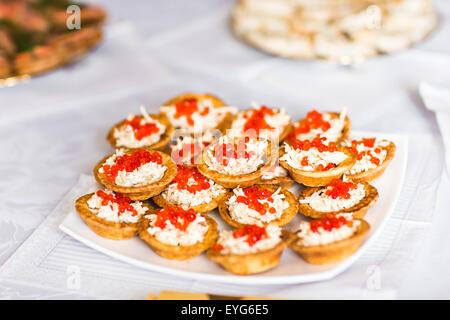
(54, 129)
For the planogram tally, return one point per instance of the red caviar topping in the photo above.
(177, 216)
(253, 233)
(225, 151)
(340, 189)
(183, 176)
(313, 120)
(187, 108)
(141, 130)
(217, 247)
(368, 143)
(123, 203)
(252, 196)
(317, 143)
(256, 121)
(329, 223)
(130, 162)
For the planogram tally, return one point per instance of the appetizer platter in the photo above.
(34, 37)
(242, 196)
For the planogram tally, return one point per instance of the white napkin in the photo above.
(437, 99)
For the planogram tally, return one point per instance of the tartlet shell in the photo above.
(358, 211)
(159, 145)
(140, 192)
(319, 178)
(285, 218)
(179, 252)
(284, 182)
(374, 173)
(251, 263)
(332, 252)
(102, 227)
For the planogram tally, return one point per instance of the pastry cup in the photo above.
(358, 211)
(287, 216)
(102, 227)
(319, 178)
(224, 124)
(332, 252)
(140, 192)
(245, 264)
(179, 252)
(159, 145)
(284, 182)
(374, 173)
(201, 208)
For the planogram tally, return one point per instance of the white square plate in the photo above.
(291, 269)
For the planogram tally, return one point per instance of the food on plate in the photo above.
(373, 156)
(351, 199)
(188, 148)
(138, 174)
(178, 234)
(250, 249)
(277, 175)
(111, 215)
(260, 205)
(145, 130)
(191, 190)
(330, 239)
(237, 161)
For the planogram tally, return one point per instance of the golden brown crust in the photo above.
(252, 263)
(140, 192)
(358, 211)
(374, 173)
(243, 180)
(102, 227)
(332, 252)
(179, 252)
(319, 178)
(285, 218)
(159, 145)
(201, 208)
(284, 182)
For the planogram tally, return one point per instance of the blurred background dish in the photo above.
(341, 30)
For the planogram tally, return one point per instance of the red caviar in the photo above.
(130, 162)
(123, 203)
(253, 233)
(317, 143)
(368, 143)
(251, 199)
(256, 121)
(183, 176)
(340, 189)
(313, 120)
(217, 247)
(141, 131)
(187, 108)
(225, 151)
(177, 216)
(329, 223)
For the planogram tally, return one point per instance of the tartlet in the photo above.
(178, 252)
(357, 211)
(372, 173)
(160, 144)
(103, 227)
(277, 175)
(286, 216)
(140, 192)
(331, 252)
(192, 182)
(318, 178)
(234, 180)
(253, 262)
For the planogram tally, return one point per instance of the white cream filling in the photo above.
(365, 164)
(241, 213)
(110, 211)
(145, 174)
(320, 201)
(294, 158)
(256, 148)
(232, 245)
(124, 134)
(322, 236)
(332, 134)
(186, 199)
(195, 232)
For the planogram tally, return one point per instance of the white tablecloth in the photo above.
(49, 141)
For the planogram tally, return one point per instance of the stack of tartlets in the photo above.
(171, 170)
